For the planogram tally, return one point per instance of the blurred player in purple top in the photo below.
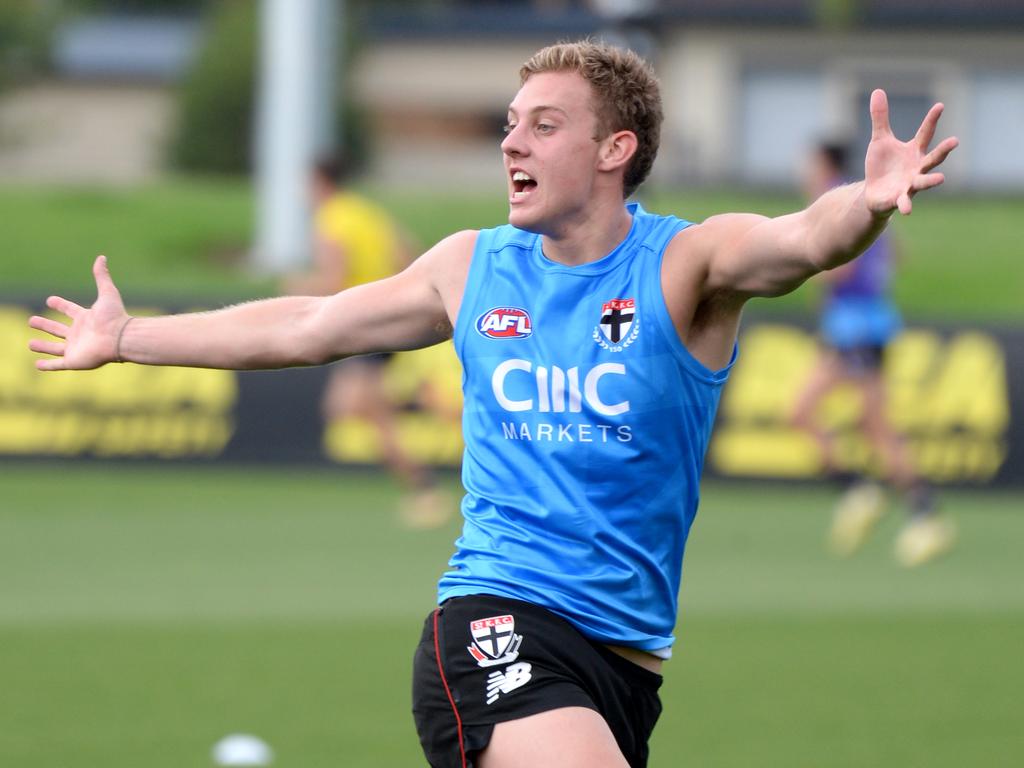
(858, 320)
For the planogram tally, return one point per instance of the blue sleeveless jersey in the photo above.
(586, 422)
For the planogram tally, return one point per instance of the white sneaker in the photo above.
(855, 517)
(924, 539)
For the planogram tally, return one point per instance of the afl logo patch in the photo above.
(505, 323)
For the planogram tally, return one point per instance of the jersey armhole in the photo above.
(470, 292)
(668, 329)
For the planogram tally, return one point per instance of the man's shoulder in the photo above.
(458, 247)
(703, 237)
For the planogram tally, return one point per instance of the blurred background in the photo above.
(190, 554)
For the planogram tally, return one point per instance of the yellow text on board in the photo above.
(116, 411)
(948, 396)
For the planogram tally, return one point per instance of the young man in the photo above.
(858, 320)
(595, 339)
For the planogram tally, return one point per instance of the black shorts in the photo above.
(861, 360)
(484, 660)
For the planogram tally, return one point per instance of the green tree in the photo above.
(25, 27)
(217, 103)
(837, 14)
(217, 97)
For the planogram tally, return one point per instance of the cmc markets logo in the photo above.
(505, 323)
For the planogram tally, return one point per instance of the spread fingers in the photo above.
(65, 307)
(55, 348)
(52, 327)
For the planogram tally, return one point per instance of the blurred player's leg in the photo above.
(863, 502)
(886, 443)
(357, 388)
(926, 535)
(825, 375)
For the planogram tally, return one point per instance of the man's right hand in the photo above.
(90, 340)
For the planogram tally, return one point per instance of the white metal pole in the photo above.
(330, 30)
(285, 133)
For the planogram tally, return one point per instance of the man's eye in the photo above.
(507, 127)
(545, 128)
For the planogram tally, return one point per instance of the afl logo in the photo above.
(505, 323)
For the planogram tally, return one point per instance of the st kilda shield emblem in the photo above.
(619, 325)
(494, 640)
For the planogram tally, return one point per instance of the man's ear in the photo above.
(617, 149)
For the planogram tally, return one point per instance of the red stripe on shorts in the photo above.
(447, 690)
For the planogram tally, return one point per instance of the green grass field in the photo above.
(188, 239)
(146, 612)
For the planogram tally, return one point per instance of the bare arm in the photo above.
(405, 311)
(752, 255)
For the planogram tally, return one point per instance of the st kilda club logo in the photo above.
(494, 640)
(619, 325)
(505, 323)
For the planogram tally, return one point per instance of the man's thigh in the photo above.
(573, 737)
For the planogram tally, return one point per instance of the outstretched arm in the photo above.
(756, 256)
(406, 311)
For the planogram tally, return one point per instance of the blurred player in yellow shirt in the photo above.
(356, 242)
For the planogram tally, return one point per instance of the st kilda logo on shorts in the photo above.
(494, 640)
(505, 323)
(619, 325)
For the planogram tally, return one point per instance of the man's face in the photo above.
(550, 151)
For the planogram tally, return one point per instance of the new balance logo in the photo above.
(507, 680)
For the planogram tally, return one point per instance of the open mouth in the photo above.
(522, 185)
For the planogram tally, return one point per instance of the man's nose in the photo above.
(513, 143)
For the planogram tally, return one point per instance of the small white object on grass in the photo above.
(241, 749)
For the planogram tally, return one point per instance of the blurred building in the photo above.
(104, 111)
(748, 84)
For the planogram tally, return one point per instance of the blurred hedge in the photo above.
(217, 104)
(25, 28)
(217, 99)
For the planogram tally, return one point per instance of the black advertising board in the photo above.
(955, 392)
